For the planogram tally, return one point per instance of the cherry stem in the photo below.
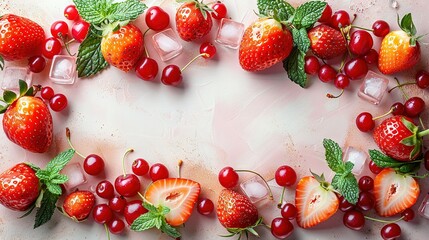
(179, 168)
(401, 85)
(66, 44)
(68, 136)
(36, 89)
(260, 176)
(383, 221)
(145, 49)
(383, 115)
(328, 95)
(279, 205)
(195, 58)
(366, 29)
(421, 123)
(107, 231)
(123, 160)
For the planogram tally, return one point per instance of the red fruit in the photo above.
(71, 13)
(158, 171)
(192, 22)
(234, 210)
(327, 73)
(327, 42)
(264, 43)
(156, 18)
(178, 194)
(128, 185)
(78, 205)
(340, 19)
(133, 210)
(374, 168)
(288, 211)
(59, 29)
(394, 192)
(20, 37)
(123, 48)
(285, 176)
(93, 164)
(422, 79)
(116, 225)
(312, 65)
(147, 68)
(389, 135)
(102, 213)
(228, 177)
(326, 15)
(105, 189)
(171, 75)
(51, 47)
(58, 102)
(314, 203)
(380, 28)
(19, 187)
(281, 228)
(371, 57)
(205, 206)
(341, 81)
(117, 204)
(390, 231)
(414, 106)
(354, 220)
(209, 49)
(47, 93)
(140, 167)
(356, 68)
(80, 30)
(36, 64)
(365, 122)
(360, 42)
(219, 10)
(28, 123)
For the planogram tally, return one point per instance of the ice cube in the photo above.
(75, 174)
(357, 157)
(424, 207)
(373, 87)
(11, 78)
(167, 44)
(229, 33)
(255, 189)
(63, 69)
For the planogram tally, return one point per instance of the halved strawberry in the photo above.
(394, 192)
(178, 194)
(314, 201)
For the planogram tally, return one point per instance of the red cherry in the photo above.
(374, 168)
(312, 65)
(371, 57)
(93, 164)
(288, 211)
(366, 183)
(36, 63)
(133, 210)
(408, 215)
(356, 68)
(326, 14)
(209, 50)
(47, 93)
(127, 185)
(51, 47)
(390, 231)
(422, 79)
(157, 19)
(281, 228)
(360, 42)
(219, 10)
(117, 204)
(398, 109)
(158, 171)
(147, 68)
(414, 106)
(59, 29)
(80, 30)
(380, 28)
(205, 206)
(116, 225)
(344, 205)
(365, 122)
(354, 220)
(140, 167)
(341, 81)
(327, 73)
(228, 177)
(285, 176)
(105, 189)
(340, 19)
(71, 13)
(102, 213)
(171, 75)
(58, 102)
(366, 201)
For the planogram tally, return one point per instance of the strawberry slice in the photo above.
(314, 201)
(394, 192)
(178, 194)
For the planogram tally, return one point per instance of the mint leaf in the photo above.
(43, 175)
(47, 208)
(144, 222)
(60, 161)
(308, 13)
(9, 96)
(283, 9)
(59, 179)
(334, 156)
(1, 63)
(126, 11)
(170, 231)
(294, 65)
(348, 166)
(348, 186)
(301, 40)
(54, 188)
(149, 207)
(93, 11)
(382, 160)
(89, 58)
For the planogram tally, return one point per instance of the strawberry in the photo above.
(314, 201)
(327, 42)
(178, 194)
(78, 205)
(19, 187)
(399, 50)
(192, 20)
(124, 47)
(20, 37)
(28, 123)
(394, 192)
(398, 138)
(264, 43)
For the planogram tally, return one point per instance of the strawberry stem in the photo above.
(68, 136)
(123, 160)
(279, 205)
(195, 58)
(383, 221)
(179, 168)
(423, 133)
(263, 179)
(401, 85)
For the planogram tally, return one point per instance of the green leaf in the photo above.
(46, 210)
(3, 108)
(30, 92)
(334, 156)
(54, 188)
(407, 24)
(308, 13)
(348, 166)
(89, 58)
(382, 160)
(409, 168)
(149, 207)
(283, 9)
(348, 186)
(34, 167)
(9, 96)
(23, 87)
(43, 175)
(301, 40)
(294, 65)
(59, 178)
(144, 222)
(93, 11)
(1, 63)
(169, 230)
(60, 161)
(126, 11)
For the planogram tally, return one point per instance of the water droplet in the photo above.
(394, 4)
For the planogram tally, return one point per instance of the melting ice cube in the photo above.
(167, 44)
(357, 157)
(373, 87)
(255, 189)
(229, 33)
(424, 207)
(75, 174)
(63, 69)
(11, 78)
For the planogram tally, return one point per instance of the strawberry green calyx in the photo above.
(245, 231)
(384, 161)
(415, 139)
(407, 25)
(323, 183)
(200, 5)
(9, 97)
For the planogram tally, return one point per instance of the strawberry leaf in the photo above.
(334, 156)
(1, 63)
(9, 97)
(93, 11)
(47, 208)
(308, 13)
(407, 25)
(126, 11)
(284, 11)
(300, 38)
(294, 66)
(89, 58)
(23, 87)
(3, 108)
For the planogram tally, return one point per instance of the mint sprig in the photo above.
(282, 9)
(294, 66)
(384, 161)
(89, 58)
(154, 218)
(344, 181)
(308, 13)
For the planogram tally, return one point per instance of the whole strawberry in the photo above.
(236, 213)
(19, 187)
(193, 21)
(398, 138)
(399, 50)
(20, 37)
(124, 47)
(264, 43)
(327, 42)
(78, 205)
